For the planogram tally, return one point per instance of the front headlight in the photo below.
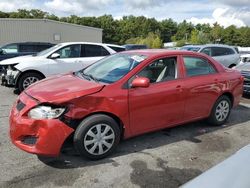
(12, 67)
(45, 112)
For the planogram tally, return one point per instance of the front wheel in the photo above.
(221, 111)
(97, 136)
(27, 79)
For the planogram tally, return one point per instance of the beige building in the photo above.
(43, 30)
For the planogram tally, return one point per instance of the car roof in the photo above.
(135, 45)
(159, 52)
(114, 45)
(29, 43)
(93, 43)
(210, 45)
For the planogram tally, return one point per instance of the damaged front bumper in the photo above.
(9, 77)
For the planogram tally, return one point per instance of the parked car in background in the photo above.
(62, 58)
(224, 54)
(135, 46)
(20, 49)
(244, 68)
(121, 96)
(244, 58)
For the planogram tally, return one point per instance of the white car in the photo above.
(224, 54)
(244, 58)
(230, 173)
(62, 58)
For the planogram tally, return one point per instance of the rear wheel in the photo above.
(221, 111)
(27, 79)
(97, 136)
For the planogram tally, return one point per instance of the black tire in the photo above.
(89, 124)
(213, 119)
(25, 76)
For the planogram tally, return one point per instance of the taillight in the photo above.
(242, 79)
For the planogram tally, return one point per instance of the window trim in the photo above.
(208, 61)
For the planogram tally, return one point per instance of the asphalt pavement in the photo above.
(167, 158)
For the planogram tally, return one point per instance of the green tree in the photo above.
(152, 40)
(231, 36)
(216, 33)
(36, 13)
(4, 15)
(168, 28)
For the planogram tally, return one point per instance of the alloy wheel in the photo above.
(222, 110)
(29, 80)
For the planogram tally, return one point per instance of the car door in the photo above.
(201, 86)
(91, 53)
(67, 61)
(162, 103)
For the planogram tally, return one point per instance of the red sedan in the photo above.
(121, 96)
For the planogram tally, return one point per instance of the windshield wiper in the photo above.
(87, 76)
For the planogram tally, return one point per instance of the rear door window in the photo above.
(196, 66)
(40, 48)
(221, 51)
(27, 48)
(90, 50)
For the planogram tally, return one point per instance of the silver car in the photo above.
(244, 68)
(224, 54)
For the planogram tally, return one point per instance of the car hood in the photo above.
(16, 60)
(62, 88)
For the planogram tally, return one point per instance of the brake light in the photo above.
(242, 78)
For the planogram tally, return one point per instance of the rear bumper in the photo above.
(41, 137)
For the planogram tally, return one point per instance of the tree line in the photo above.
(142, 30)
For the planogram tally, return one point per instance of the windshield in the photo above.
(44, 52)
(112, 68)
(191, 48)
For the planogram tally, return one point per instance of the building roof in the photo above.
(48, 20)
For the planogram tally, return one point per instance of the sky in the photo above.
(224, 12)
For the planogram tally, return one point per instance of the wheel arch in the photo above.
(115, 117)
(229, 95)
(30, 71)
(232, 65)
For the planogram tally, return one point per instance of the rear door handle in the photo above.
(179, 88)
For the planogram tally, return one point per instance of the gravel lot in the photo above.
(166, 158)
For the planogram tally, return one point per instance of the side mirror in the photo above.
(55, 56)
(1, 51)
(140, 82)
